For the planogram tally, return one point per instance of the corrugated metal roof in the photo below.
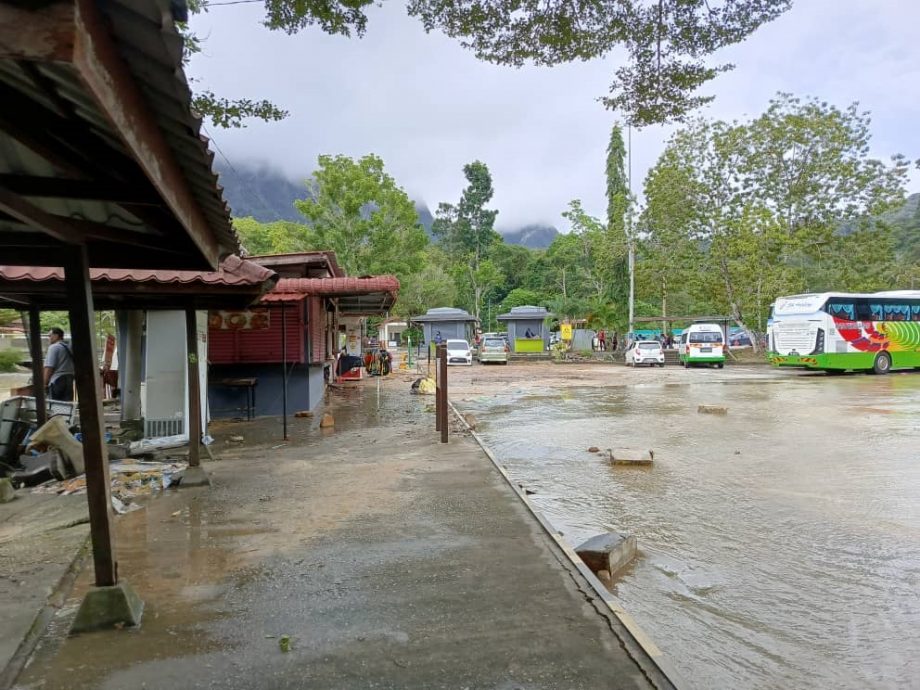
(145, 36)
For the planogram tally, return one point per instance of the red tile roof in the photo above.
(233, 271)
(338, 287)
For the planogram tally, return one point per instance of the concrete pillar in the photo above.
(129, 364)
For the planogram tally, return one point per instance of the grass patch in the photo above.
(10, 359)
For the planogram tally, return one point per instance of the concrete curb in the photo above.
(44, 617)
(634, 638)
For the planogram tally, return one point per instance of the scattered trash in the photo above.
(594, 449)
(55, 434)
(176, 513)
(236, 439)
(207, 440)
(327, 421)
(280, 445)
(303, 413)
(147, 445)
(284, 643)
(712, 409)
(470, 420)
(425, 386)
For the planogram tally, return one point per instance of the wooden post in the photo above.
(194, 389)
(445, 426)
(284, 373)
(38, 368)
(437, 385)
(95, 458)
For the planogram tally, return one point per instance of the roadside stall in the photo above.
(527, 331)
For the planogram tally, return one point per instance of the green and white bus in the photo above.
(836, 331)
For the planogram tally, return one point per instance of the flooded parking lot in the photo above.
(780, 543)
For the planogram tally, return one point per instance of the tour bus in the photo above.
(702, 343)
(836, 332)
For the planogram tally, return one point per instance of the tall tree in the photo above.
(356, 209)
(616, 249)
(666, 41)
(467, 232)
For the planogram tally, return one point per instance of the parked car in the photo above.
(493, 350)
(459, 352)
(645, 352)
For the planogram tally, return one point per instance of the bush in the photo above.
(9, 359)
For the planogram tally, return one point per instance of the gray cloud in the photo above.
(427, 106)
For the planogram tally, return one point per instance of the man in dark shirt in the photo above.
(59, 367)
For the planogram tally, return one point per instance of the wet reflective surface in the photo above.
(780, 544)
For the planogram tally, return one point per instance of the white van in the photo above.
(702, 343)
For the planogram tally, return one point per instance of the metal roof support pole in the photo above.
(284, 373)
(194, 475)
(38, 370)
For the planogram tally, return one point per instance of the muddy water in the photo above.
(780, 543)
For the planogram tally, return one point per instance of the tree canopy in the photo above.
(667, 42)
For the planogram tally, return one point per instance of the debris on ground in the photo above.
(284, 643)
(55, 434)
(425, 386)
(130, 480)
(470, 420)
(148, 445)
(327, 421)
(236, 439)
(712, 409)
(594, 449)
(7, 492)
(627, 456)
(303, 413)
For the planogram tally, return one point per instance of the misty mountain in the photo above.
(535, 236)
(260, 191)
(268, 195)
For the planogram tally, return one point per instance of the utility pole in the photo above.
(629, 231)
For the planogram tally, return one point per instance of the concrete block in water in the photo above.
(712, 409)
(107, 607)
(610, 552)
(627, 456)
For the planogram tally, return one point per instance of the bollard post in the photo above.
(445, 426)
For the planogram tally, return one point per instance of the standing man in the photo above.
(602, 337)
(59, 367)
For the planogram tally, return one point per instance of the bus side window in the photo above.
(843, 311)
(877, 312)
(897, 312)
(915, 312)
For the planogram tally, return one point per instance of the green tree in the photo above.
(428, 288)
(767, 199)
(278, 237)
(616, 245)
(357, 210)
(467, 233)
(666, 42)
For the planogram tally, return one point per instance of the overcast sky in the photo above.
(427, 106)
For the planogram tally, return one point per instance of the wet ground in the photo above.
(390, 561)
(780, 543)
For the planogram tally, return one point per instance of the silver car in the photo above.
(493, 350)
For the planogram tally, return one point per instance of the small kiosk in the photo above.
(527, 331)
(449, 322)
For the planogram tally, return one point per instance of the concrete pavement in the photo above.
(389, 560)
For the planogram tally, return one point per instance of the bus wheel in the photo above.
(882, 363)
(719, 365)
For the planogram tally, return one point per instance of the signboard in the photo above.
(565, 331)
(243, 320)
